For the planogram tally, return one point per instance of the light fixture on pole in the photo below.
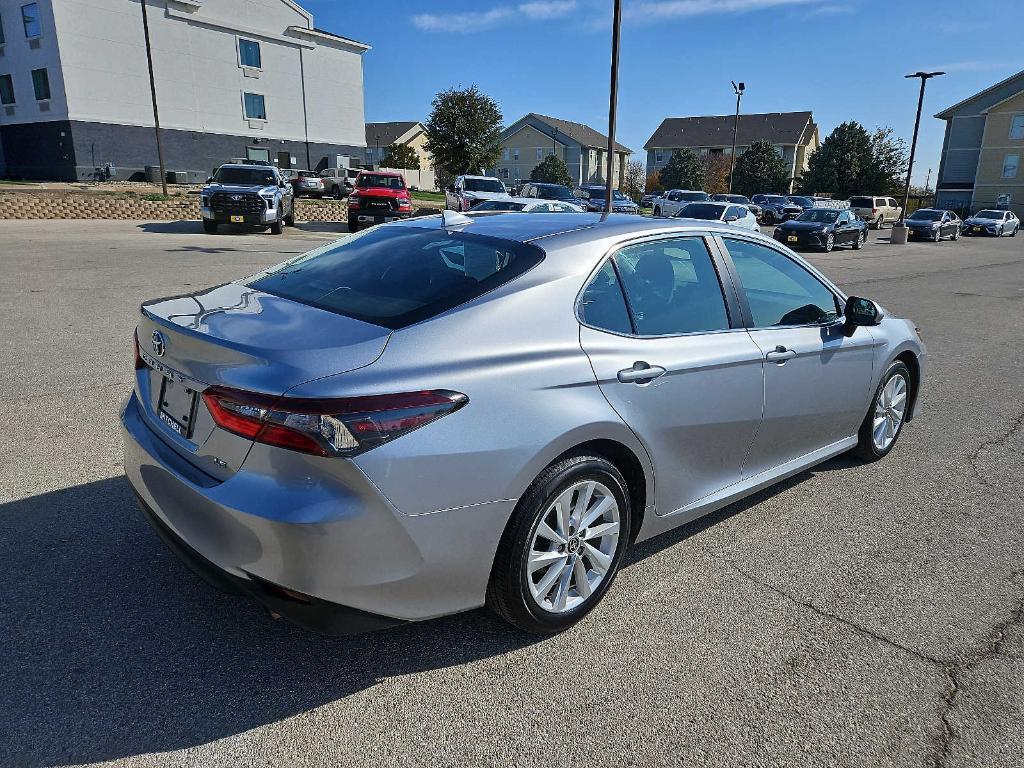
(152, 90)
(901, 236)
(738, 89)
(613, 97)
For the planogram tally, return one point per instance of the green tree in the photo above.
(760, 169)
(842, 165)
(463, 131)
(684, 170)
(401, 156)
(888, 170)
(551, 170)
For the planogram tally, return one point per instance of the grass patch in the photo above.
(429, 197)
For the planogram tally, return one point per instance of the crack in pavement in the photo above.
(999, 440)
(953, 669)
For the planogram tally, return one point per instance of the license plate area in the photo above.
(238, 219)
(792, 238)
(177, 407)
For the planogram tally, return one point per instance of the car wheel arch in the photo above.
(910, 359)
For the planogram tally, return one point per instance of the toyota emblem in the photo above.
(159, 343)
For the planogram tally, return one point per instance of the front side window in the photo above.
(249, 54)
(30, 19)
(2, 38)
(672, 287)
(602, 305)
(1016, 123)
(255, 106)
(1010, 165)
(41, 84)
(779, 291)
(394, 277)
(6, 89)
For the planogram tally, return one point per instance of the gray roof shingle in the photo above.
(716, 130)
(584, 134)
(388, 133)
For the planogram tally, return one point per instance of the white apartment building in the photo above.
(251, 79)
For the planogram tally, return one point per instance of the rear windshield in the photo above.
(244, 176)
(701, 211)
(397, 276)
(379, 181)
(483, 185)
(862, 202)
(926, 214)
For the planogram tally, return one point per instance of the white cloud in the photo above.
(660, 10)
(476, 21)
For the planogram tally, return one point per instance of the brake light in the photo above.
(139, 362)
(874, 210)
(344, 426)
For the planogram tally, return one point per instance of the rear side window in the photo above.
(602, 305)
(860, 202)
(672, 287)
(397, 276)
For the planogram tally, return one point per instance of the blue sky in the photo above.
(842, 59)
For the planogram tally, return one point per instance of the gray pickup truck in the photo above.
(256, 195)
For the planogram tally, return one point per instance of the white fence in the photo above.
(423, 179)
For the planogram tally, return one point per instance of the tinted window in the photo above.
(41, 84)
(821, 215)
(483, 185)
(396, 276)
(989, 215)
(778, 290)
(602, 305)
(672, 287)
(701, 211)
(693, 196)
(249, 54)
(379, 181)
(255, 106)
(926, 214)
(806, 202)
(30, 19)
(246, 176)
(498, 205)
(861, 202)
(6, 89)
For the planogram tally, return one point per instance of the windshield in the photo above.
(483, 185)
(989, 215)
(598, 194)
(555, 191)
(498, 205)
(244, 176)
(396, 276)
(775, 199)
(693, 196)
(926, 214)
(379, 181)
(701, 211)
(806, 202)
(820, 216)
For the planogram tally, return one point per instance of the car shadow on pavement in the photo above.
(111, 648)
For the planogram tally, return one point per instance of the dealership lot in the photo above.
(855, 615)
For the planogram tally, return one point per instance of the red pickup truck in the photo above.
(376, 198)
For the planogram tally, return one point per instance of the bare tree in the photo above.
(634, 182)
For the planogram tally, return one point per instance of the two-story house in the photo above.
(982, 150)
(794, 135)
(252, 79)
(527, 141)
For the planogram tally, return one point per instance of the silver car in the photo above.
(450, 412)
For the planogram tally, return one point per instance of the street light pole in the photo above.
(925, 77)
(738, 89)
(613, 98)
(152, 90)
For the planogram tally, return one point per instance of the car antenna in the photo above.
(450, 219)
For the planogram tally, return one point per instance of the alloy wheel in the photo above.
(573, 547)
(890, 408)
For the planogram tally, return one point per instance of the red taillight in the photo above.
(874, 210)
(343, 426)
(139, 362)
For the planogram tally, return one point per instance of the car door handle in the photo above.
(780, 355)
(640, 373)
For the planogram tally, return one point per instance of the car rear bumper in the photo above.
(311, 538)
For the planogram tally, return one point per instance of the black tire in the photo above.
(210, 227)
(353, 226)
(289, 220)
(657, 211)
(336, 192)
(507, 593)
(277, 228)
(859, 241)
(956, 234)
(880, 224)
(866, 448)
(830, 243)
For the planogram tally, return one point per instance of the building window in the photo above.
(2, 38)
(1016, 123)
(659, 156)
(249, 54)
(6, 89)
(255, 106)
(41, 83)
(504, 154)
(515, 154)
(540, 153)
(1010, 165)
(30, 18)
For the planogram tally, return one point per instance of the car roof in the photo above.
(567, 227)
(255, 166)
(382, 173)
(471, 176)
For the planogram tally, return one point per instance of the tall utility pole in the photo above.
(738, 89)
(152, 90)
(925, 77)
(613, 98)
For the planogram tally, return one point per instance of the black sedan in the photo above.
(933, 224)
(823, 228)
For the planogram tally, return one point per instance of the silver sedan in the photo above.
(450, 412)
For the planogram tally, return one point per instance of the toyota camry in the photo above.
(450, 412)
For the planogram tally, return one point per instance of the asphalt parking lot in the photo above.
(856, 615)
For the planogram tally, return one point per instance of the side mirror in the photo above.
(209, 179)
(859, 312)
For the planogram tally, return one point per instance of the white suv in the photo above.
(876, 211)
(467, 191)
(338, 182)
